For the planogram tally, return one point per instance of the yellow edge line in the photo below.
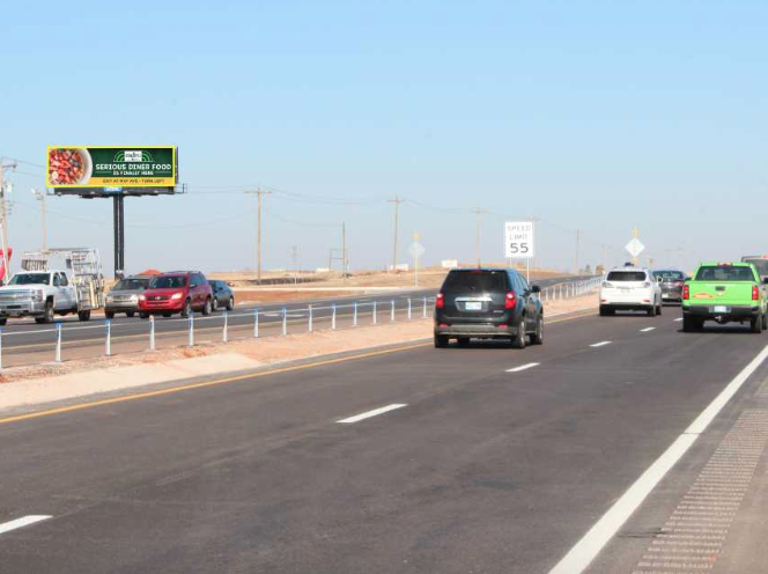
(227, 380)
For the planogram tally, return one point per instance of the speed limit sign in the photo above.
(518, 240)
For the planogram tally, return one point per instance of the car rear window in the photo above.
(476, 281)
(673, 275)
(170, 282)
(724, 273)
(760, 263)
(619, 276)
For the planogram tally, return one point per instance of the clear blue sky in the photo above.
(590, 115)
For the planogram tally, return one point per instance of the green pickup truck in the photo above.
(725, 293)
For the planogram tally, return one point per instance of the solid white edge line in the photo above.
(647, 329)
(369, 414)
(22, 522)
(523, 367)
(601, 344)
(590, 545)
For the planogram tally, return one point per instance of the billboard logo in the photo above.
(133, 156)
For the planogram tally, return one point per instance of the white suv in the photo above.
(630, 289)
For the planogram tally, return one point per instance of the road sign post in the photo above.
(416, 250)
(519, 242)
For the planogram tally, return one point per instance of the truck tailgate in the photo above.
(721, 293)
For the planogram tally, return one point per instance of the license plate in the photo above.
(721, 309)
(624, 289)
(473, 306)
(665, 295)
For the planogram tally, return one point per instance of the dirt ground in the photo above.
(429, 278)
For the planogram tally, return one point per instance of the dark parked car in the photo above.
(671, 282)
(488, 304)
(124, 296)
(223, 297)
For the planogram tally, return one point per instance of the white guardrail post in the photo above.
(108, 346)
(410, 310)
(374, 313)
(1, 348)
(392, 311)
(225, 334)
(57, 355)
(255, 323)
(310, 326)
(424, 312)
(191, 341)
(285, 321)
(354, 314)
(333, 316)
(152, 346)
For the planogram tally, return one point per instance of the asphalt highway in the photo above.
(461, 460)
(25, 336)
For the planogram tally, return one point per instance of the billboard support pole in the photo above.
(119, 223)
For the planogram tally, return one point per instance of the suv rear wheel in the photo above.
(441, 341)
(537, 338)
(519, 341)
(756, 324)
(231, 304)
(208, 307)
(652, 311)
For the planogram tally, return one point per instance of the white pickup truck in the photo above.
(43, 292)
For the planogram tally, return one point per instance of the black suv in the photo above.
(488, 304)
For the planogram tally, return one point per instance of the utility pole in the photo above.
(259, 193)
(605, 256)
(578, 246)
(4, 215)
(40, 196)
(295, 258)
(396, 202)
(344, 252)
(478, 216)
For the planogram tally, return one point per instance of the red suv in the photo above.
(176, 292)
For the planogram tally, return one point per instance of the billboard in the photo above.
(78, 167)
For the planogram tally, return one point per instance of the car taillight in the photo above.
(686, 292)
(440, 301)
(755, 292)
(606, 284)
(510, 301)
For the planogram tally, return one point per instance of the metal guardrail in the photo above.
(307, 318)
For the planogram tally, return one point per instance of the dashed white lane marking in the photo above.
(601, 344)
(678, 319)
(585, 550)
(647, 329)
(22, 522)
(523, 367)
(369, 414)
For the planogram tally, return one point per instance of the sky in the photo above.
(586, 115)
